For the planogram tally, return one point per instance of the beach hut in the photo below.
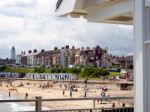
(124, 73)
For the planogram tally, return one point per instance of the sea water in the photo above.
(16, 107)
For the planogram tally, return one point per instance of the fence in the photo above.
(38, 104)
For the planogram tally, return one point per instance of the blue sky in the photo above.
(32, 24)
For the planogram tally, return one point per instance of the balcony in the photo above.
(70, 7)
(107, 11)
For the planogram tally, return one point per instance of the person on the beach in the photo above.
(70, 94)
(26, 96)
(103, 94)
(1, 84)
(63, 92)
(85, 94)
(113, 105)
(60, 85)
(9, 94)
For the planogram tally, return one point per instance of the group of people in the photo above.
(46, 85)
(69, 87)
(73, 88)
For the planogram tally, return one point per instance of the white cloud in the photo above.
(31, 24)
(11, 23)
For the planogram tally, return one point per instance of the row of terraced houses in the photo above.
(68, 57)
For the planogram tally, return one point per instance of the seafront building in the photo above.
(18, 59)
(69, 57)
(129, 60)
(6, 62)
(29, 59)
(136, 12)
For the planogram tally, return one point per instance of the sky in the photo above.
(33, 24)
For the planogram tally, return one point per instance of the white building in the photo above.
(129, 59)
(18, 59)
(136, 12)
(13, 53)
(31, 58)
(65, 57)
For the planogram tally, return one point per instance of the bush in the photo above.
(14, 69)
(39, 70)
(94, 72)
(3, 68)
(64, 70)
(52, 71)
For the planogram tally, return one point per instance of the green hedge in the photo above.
(94, 72)
(90, 72)
(14, 69)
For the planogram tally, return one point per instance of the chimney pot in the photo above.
(35, 50)
(55, 48)
(42, 50)
(67, 46)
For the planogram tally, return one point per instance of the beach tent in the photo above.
(124, 74)
(123, 71)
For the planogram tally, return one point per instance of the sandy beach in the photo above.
(51, 90)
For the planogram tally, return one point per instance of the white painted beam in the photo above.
(70, 7)
(110, 11)
(89, 4)
(147, 3)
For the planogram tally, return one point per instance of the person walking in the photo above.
(9, 94)
(102, 96)
(85, 94)
(63, 92)
(70, 94)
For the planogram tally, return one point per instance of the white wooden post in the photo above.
(142, 56)
(93, 103)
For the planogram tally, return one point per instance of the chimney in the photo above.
(55, 48)
(35, 51)
(82, 48)
(67, 46)
(73, 47)
(29, 51)
(87, 48)
(42, 50)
